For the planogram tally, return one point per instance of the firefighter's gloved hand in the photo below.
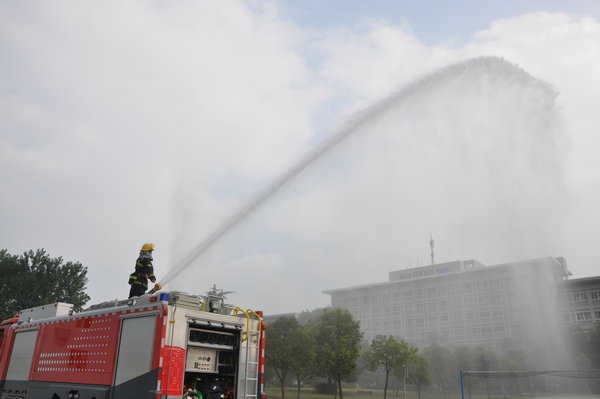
(157, 287)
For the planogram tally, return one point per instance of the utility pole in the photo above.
(405, 375)
(431, 242)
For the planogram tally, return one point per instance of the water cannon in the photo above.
(215, 303)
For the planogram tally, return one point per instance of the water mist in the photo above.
(472, 153)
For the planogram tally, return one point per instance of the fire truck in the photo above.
(162, 346)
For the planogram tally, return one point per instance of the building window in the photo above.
(497, 283)
(595, 295)
(580, 296)
(597, 315)
(583, 316)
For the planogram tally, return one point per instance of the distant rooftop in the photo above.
(454, 267)
(435, 269)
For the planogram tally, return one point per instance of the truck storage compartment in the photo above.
(210, 366)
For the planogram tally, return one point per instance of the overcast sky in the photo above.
(147, 121)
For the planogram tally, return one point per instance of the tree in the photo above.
(338, 338)
(307, 316)
(35, 279)
(281, 348)
(389, 354)
(303, 357)
(439, 359)
(419, 374)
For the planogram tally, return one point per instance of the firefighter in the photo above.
(144, 271)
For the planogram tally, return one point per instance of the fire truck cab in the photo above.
(161, 346)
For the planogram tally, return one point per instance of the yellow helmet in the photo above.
(148, 247)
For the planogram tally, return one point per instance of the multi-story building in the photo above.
(468, 303)
(581, 302)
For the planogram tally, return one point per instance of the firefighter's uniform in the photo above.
(144, 271)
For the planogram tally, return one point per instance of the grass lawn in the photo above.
(350, 393)
(309, 393)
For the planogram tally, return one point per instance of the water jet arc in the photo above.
(488, 64)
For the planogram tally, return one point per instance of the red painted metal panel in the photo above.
(173, 369)
(261, 359)
(5, 348)
(78, 350)
(159, 344)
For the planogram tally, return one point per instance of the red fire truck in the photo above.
(161, 346)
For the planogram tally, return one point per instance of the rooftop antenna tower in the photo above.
(431, 242)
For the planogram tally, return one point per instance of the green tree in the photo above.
(387, 353)
(439, 360)
(35, 279)
(308, 316)
(418, 374)
(281, 348)
(338, 345)
(303, 357)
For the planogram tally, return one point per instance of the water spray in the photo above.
(488, 64)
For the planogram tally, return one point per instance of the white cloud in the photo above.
(113, 112)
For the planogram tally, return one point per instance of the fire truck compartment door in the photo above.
(135, 348)
(21, 357)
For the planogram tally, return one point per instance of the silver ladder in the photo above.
(251, 373)
(249, 381)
